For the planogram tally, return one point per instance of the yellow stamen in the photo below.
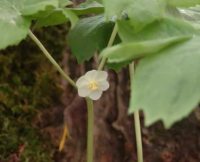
(93, 85)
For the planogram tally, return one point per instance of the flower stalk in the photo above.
(90, 130)
(65, 76)
(138, 133)
(110, 43)
(50, 58)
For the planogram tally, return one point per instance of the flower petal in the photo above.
(101, 75)
(84, 91)
(103, 85)
(90, 75)
(82, 82)
(95, 95)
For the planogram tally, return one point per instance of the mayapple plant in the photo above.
(162, 36)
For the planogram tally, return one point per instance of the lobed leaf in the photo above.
(14, 23)
(126, 52)
(140, 12)
(153, 38)
(57, 16)
(53, 14)
(13, 27)
(166, 85)
(162, 29)
(90, 1)
(30, 7)
(118, 66)
(88, 8)
(64, 3)
(183, 3)
(88, 36)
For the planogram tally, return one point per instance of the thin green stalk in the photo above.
(90, 138)
(138, 136)
(90, 107)
(138, 133)
(50, 58)
(110, 43)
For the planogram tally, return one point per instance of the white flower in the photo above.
(92, 84)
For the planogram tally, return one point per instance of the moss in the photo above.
(28, 84)
(16, 131)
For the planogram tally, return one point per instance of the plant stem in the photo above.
(138, 133)
(90, 107)
(138, 136)
(51, 59)
(90, 138)
(110, 43)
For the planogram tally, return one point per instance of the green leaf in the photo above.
(150, 40)
(117, 67)
(30, 7)
(166, 85)
(88, 8)
(165, 28)
(192, 15)
(88, 36)
(71, 16)
(57, 16)
(13, 27)
(64, 3)
(128, 51)
(90, 1)
(140, 12)
(183, 3)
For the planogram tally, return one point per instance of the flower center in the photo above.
(93, 85)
